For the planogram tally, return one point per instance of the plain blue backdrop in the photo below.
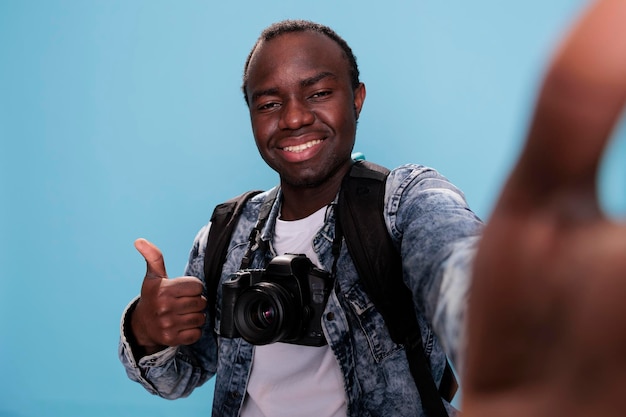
(124, 119)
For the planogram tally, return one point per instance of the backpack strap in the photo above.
(223, 221)
(379, 265)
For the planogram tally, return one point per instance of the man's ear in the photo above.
(359, 98)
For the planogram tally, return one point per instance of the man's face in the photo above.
(303, 107)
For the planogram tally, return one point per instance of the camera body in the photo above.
(282, 303)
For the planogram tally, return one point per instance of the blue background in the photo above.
(124, 119)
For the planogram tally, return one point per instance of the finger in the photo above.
(189, 336)
(182, 329)
(192, 321)
(182, 287)
(190, 305)
(155, 265)
(580, 102)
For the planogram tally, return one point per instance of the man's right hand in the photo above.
(547, 328)
(170, 312)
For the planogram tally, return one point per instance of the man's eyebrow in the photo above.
(307, 82)
(261, 93)
(312, 80)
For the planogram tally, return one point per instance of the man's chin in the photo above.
(306, 182)
(311, 177)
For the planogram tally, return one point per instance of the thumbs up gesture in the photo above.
(170, 312)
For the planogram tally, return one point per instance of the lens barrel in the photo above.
(266, 313)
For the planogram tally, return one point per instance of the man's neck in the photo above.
(300, 202)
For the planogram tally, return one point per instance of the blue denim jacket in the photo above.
(436, 233)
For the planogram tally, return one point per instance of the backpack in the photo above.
(376, 259)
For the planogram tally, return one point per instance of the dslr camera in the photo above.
(281, 303)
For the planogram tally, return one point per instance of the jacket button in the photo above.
(330, 316)
(234, 395)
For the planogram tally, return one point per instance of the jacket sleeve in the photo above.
(175, 371)
(438, 235)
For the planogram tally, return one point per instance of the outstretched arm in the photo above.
(547, 316)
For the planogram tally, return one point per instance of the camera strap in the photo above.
(255, 242)
(223, 221)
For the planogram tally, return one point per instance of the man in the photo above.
(546, 333)
(302, 87)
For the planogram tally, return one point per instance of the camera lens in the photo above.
(267, 313)
(263, 314)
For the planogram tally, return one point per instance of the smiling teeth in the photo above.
(300, 148)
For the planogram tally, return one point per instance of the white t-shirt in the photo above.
(292, 380)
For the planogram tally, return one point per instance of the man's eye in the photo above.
(320, 94)
(267, 106)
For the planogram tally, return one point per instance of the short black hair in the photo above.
(289, 26)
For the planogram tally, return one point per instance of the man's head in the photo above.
(304, 98)
(289, 26)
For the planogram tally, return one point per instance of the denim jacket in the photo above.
(436, 233)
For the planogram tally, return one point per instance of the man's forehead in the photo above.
(299, 42)
(294, 58)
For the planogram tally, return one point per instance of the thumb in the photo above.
(155, 265)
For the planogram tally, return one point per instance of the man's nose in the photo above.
(295, 114)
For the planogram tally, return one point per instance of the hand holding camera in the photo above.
(170, 312)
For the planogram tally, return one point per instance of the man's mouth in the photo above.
(302, 147)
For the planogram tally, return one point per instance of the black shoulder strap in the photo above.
(360, 219)
(223, 221)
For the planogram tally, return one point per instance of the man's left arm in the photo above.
(438, 235)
